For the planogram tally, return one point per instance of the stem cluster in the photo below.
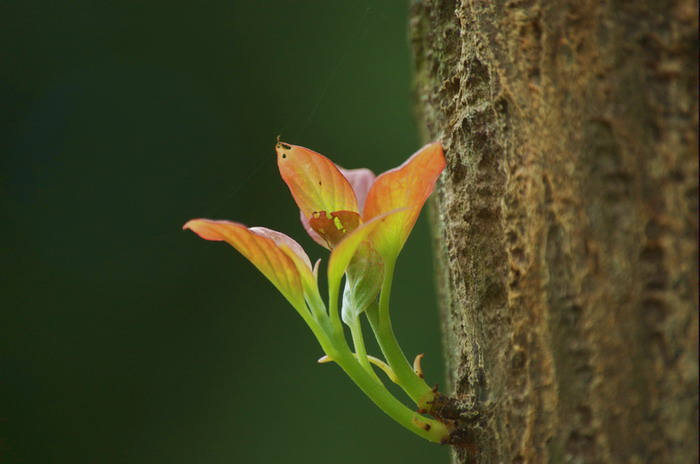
(328, 329)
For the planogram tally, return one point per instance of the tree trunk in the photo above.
(566, 224)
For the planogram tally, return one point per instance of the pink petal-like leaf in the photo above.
(361, 180)
(309, 230)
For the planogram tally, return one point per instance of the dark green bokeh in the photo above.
(126, 340)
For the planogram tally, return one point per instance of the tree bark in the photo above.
(566, 223)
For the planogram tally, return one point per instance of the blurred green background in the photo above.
(127, 340)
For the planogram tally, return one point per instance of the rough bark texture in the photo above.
(566, 223)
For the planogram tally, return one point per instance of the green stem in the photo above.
(335, 346)
(308, 315)
(333, 294)
(429, 429)
(313, 299)
(410, 381)
(359, 345)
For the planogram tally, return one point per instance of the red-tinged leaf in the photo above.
(334, 227)
(307, 227)
(407, 186)
(315, 182)
(264, 252)
(361, 181)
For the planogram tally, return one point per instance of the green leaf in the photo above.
(364, 280)
(344, 252)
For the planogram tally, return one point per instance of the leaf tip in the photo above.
(282, 149)
(207, 229)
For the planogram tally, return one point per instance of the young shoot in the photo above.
(364, 220)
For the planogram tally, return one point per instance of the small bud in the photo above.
(416, 365)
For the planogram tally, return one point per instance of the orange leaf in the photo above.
(315, 182)
(266, 253)
(407, 186)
